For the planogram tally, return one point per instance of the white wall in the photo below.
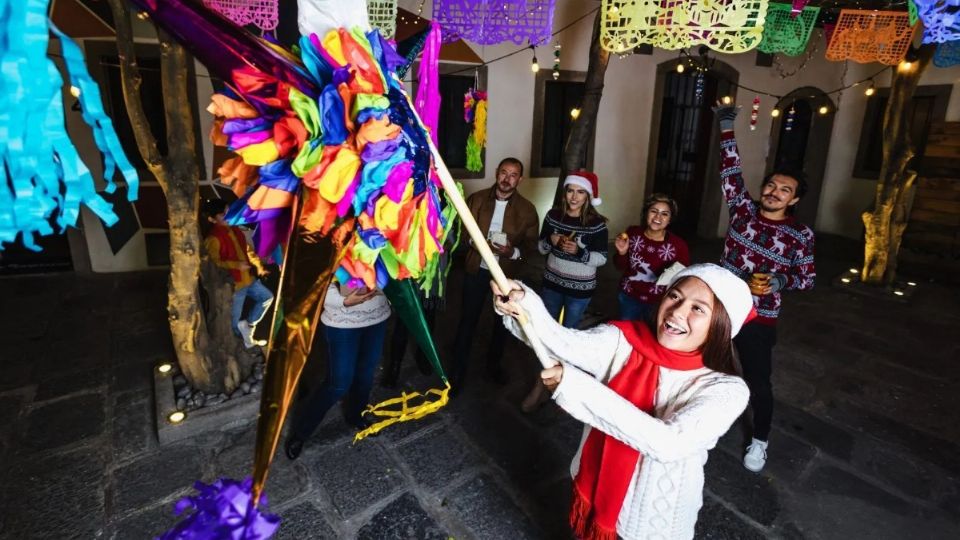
(624, 121)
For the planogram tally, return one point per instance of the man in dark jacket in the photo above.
(511, 225)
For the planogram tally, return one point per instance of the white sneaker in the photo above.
(756, 456)
(246, 332)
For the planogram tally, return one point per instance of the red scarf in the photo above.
(606, 464)
(232, 245)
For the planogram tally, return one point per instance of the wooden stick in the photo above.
(480, 243)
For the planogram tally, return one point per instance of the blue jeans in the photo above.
(354, 354)
(261, 297)
(573, 308)
(632, 309)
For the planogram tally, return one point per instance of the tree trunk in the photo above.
(210, 356)
(578, 139)
(888, 219)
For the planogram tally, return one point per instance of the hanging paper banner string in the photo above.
(475, 113)
(947, 54)
(44, 181)
(729, 26)
(870, 36)
(383, 16)
(912, 12)
(941, 20)
(784, 32)
(263, 14)
(487, 22)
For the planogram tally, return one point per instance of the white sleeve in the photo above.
(600, 351)
(694, 426)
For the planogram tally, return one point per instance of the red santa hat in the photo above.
(588, 181)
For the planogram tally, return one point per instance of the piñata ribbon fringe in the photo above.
(407, 411)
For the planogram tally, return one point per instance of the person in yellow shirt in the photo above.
(228, 249)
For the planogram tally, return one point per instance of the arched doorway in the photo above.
(683, 132)
(803, 143)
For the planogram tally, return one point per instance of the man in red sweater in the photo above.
(228, 249)
(772, 252)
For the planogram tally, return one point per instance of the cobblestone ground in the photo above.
(865, 443)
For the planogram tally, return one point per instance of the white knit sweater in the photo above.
(369, 313)
(692, 410)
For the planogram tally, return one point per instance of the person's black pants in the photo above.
(476, 298)
(755, 348)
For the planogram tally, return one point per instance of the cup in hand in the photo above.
(758, 283)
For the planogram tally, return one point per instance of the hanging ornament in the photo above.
(383, 16)
(785, 32)
(728, 26)
(791, 114)
(487, 22)
(698, 86)
(796, 8)
(754, 113)
(941, 20)
(947, 54)
(263, 14)
(556, 61)
(475, 112)
(866, 36)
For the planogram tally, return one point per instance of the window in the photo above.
(929, 105)
(552, 120)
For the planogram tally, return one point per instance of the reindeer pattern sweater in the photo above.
(645, 260)
(692, 410)
(755, 244)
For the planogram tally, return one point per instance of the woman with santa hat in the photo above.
(655, 395)
(574, 239)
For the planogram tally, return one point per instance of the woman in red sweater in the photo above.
(643, 253)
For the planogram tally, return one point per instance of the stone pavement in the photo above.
(865, 445)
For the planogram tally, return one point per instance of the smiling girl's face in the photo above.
(658, 216)
(683, 320)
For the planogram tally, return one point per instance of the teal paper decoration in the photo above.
(786, 33)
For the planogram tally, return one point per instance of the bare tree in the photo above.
(888, 219)
(211, 358)
(574, 149)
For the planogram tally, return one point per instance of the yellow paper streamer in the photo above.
(729, 26)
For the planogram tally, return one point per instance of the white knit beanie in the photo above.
(732, 291)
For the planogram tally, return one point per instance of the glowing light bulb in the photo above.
(534, 66)
(726, 100)
(854, 271)
(845, 280)
(680, 68)
(775, 113)
(824, 109)
(176, 417)
(164, 368)
(870, 91)
(575, 113)
(906, 65)
(912, 283)
(898, 293)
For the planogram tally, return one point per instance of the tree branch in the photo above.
(579, 137)
(177, 110)
(130, 78)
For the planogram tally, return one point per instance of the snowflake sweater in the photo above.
(755, 244)
(573, 275)
(692, 410)
(644, 260)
